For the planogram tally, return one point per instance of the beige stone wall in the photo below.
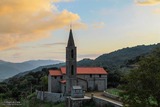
(55, 84)
(50, 97)
(93, 82)
(87, 82)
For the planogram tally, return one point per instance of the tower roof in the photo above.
(70, 40)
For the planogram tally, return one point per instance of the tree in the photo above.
(142, 88)
(44, 82)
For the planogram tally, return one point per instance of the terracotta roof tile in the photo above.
(55, 72)
(63, 81)
(87, 70)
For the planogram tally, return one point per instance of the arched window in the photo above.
(72, 70)
(72, 53)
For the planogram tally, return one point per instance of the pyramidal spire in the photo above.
(70, 40)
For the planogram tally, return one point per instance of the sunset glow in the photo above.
(39, 29)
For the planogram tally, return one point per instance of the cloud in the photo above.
(147, 2)
(157, 11)
(98, 25)
(62, 0)
(53, 44)
(24, 21)
(88, 55)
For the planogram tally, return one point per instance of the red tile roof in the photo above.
(87, 70)
(55, 72)
(63, 81)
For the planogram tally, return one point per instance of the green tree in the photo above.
(44, 82)
(142, 88)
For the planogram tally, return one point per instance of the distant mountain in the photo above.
(2, 62)
(38, 63)
(41, 68)
(8, 69)
(116, 60)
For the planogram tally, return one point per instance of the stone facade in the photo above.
(76, 102)
(50, 97)
(54, 84)
(93, 82)
(87, 82)
(77, 92)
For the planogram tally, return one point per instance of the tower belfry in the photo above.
(71, 64)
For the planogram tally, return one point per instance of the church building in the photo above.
(63, 79)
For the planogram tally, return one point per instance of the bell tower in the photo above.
(71, 64)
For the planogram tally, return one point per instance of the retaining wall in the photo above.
(50, 97)
(103, 103)
(114, 97)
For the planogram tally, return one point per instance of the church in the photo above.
(64, 78)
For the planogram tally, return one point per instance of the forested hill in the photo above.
(111, 61)
(120, 57)
(37, 78)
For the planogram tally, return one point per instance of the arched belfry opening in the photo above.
(72, 53)
(72, 70)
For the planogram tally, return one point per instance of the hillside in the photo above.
(119, 58)
(8, 69)
(114, 61)
(37, 78)
(26, 83)
(2, 62)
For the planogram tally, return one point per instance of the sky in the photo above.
(39, 29)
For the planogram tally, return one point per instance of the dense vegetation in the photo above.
(119, 63)
(20, 88)
(30, 101)
(116, 63)
(142, 85)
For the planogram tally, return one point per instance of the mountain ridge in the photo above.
(112, 61)
(8, 69)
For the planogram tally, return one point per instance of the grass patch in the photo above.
(114, 91)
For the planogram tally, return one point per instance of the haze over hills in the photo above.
(112, 61)
(2, 62)
(8, 69)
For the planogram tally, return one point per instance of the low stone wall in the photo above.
(108, 95)
(50, 97)
(103, 103)
(59, 97)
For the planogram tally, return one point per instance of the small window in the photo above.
(90, 75)
(100, 75)
(55, 77)
(72, 53)
(72, 70)
(61, 77)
